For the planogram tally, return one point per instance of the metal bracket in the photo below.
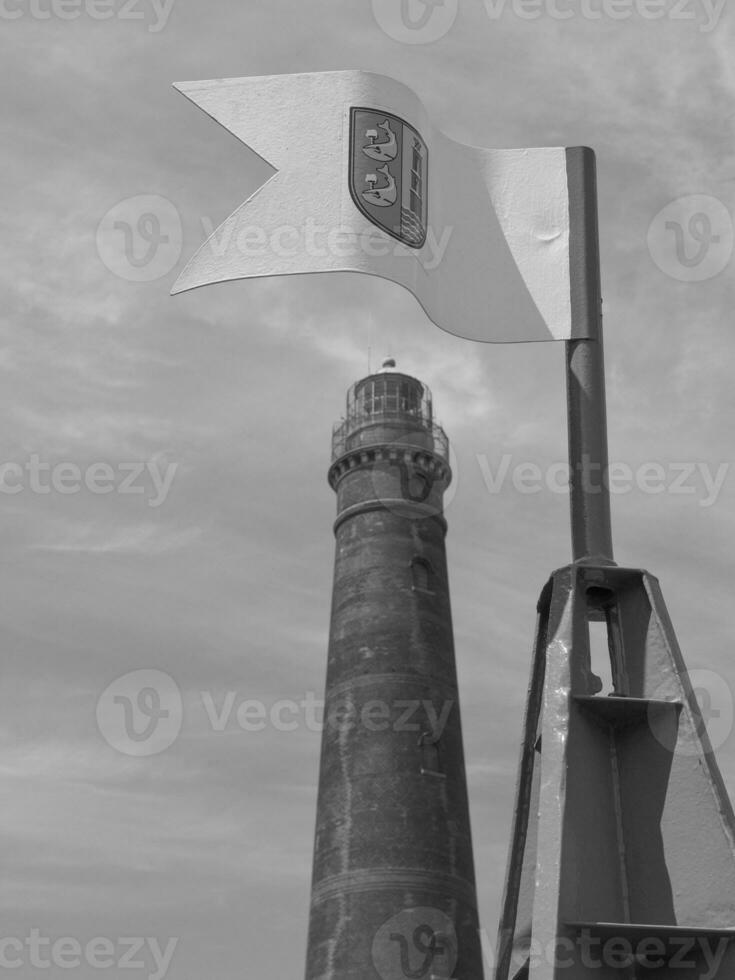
(623, 838)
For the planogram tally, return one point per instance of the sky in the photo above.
(164, 505)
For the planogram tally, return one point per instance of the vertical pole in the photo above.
(587, 418)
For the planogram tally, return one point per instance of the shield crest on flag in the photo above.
(389, 171)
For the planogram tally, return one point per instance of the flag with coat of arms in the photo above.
(489, 241)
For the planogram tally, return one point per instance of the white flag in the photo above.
(486, 240)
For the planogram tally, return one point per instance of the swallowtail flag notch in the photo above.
(486, 240)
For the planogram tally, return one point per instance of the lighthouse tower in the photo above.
(393, 890)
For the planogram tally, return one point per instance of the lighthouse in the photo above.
(393, 889)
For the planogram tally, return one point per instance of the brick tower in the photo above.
(393, 890)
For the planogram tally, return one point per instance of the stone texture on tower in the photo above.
(393, 889)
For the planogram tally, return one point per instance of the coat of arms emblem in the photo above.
(388, 174)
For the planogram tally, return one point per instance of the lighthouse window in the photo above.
(419, 487)
(372, 401)
(422, 576)
(376, 400)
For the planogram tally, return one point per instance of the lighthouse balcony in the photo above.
(392, 429)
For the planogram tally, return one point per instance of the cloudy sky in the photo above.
(164, 501)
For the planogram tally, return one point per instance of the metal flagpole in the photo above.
(587, 419)
(615, 788)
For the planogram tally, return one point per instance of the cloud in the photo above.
(144, 539)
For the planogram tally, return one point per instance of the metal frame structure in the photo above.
(622, 855)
